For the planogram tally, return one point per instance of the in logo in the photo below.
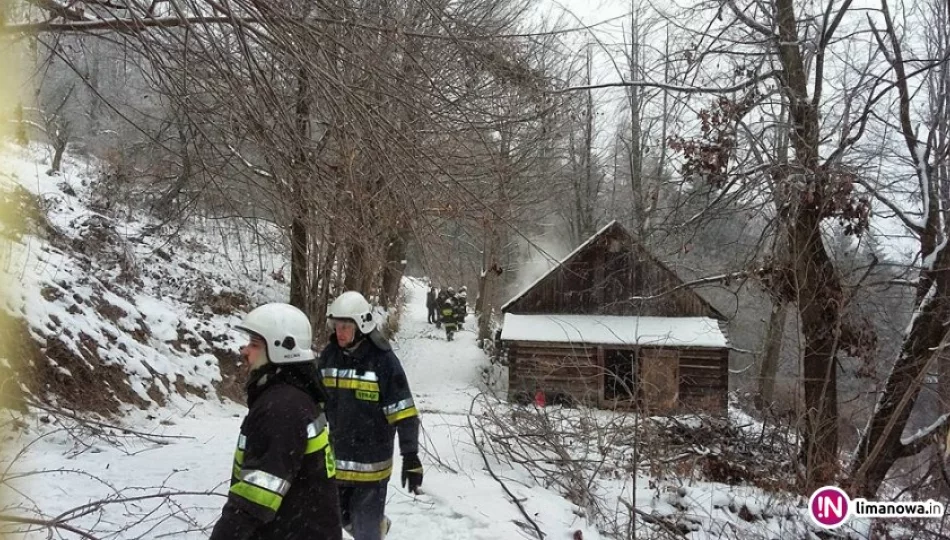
(829, 507)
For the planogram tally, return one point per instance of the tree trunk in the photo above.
(816, 285)
(321, 273)
(21, 137)
(773, 350)
(943, 381)
(819, 294)
(636, 151)
(486, 284)
(355, 259)
(394, 269)
(59, 147)
(298, 264)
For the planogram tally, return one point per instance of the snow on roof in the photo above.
(614, 330)
(587, 242)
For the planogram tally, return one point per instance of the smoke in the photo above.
(538, 256)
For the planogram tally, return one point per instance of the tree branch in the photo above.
(122, 25)
(909, 222)
(48, 523)
(750, 22)
(721, 278)
(672, 87)
(59, 10)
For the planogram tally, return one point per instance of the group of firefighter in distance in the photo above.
(447, 308)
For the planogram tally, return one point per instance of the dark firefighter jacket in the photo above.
(449, 314)
(281, 483)
(368, 400)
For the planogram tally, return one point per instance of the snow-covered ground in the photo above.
(170, 482)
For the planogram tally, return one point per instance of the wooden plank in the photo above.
(693, 380)
(556, 353)
(556, 365)
(706, 352)
(702, 358)
(561, 375)
(536, 371)
(659, 370)
(697, 380)
(712, 365)
(559, 345)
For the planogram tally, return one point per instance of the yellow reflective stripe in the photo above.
(330, 461)
(401, 415)
(351, 384)
(358, 476)
(318, 443)
(239, 457)
(257, 495)
(236, 472)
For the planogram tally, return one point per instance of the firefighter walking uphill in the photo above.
(368, 402)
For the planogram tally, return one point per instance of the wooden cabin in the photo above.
(597, 329)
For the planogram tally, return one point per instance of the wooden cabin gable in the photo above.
(611, 274)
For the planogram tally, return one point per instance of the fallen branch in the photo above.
(481, 451)
(650, 518)
(151, 437)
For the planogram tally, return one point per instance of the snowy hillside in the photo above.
(139, 311)
(119, 314)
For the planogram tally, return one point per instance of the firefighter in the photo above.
(431, 306)
(449, 316)
(461, 305)
(369, 401)
(439, 303)
(282, 479)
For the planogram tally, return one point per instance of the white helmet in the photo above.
(353, 306)
(284, 328)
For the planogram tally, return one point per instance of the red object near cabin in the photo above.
(539, 398)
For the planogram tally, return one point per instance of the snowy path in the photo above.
(443, 374)
(461, 503)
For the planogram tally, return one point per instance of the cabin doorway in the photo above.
(620, 375)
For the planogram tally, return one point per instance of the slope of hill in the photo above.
(139, 312)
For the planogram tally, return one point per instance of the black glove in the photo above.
(411, 472)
